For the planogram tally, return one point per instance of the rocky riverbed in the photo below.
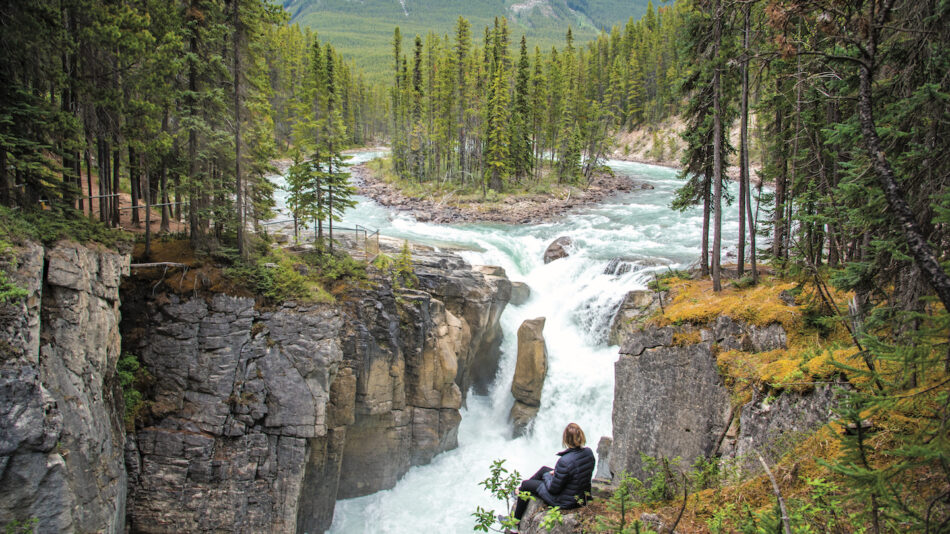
(515, 209)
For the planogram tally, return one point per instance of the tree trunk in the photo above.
(89, 172)
(239, 187)
(116, 162)
(704, 254)
(744, 146)
(920, 249)
(134, 185)
(166, 209)
(148, 208)
(4, 183)
(753, 222)
(717, 154)
(103, 162)
(194, 226)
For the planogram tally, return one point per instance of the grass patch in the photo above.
(818, 348)
(279, 277)
(47, 227)
(9, 291)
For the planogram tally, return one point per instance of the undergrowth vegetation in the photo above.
(134, 379)
(49, 226)
(281, 275)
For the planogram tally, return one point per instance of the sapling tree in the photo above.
(620, 505)
(503, 486)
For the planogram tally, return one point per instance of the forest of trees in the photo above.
(851, 105)
(489, 114)
(184, 104)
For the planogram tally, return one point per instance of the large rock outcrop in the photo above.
(531, 368)
(476, 295)
(262, 418)
(533, 518)
(772, 426)
(61, 432)
(520, 293)
(669, 401)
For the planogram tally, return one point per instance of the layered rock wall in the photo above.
(261, 419)
(61, 432)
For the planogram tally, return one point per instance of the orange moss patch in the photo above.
(687, 338)
(695, 302)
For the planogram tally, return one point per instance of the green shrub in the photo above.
(744, 282)
(503, 486)
(403, 274)
(9, 291)
(27, 526)
(336, 266)
(132, 378)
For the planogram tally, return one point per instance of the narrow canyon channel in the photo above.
(578, 296)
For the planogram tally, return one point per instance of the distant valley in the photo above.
(363, 29)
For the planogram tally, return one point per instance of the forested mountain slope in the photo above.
(362, 29)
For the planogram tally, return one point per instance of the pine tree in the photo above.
(522, 156)
(498, 138)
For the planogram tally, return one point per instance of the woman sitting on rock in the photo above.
(568, 484)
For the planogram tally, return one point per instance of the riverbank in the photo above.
(448, 205)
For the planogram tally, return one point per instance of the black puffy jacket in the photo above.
(570, 484)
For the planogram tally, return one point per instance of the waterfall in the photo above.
(577, 295)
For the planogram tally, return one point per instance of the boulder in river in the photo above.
(520, 293)
(558, 249)
(530, 371)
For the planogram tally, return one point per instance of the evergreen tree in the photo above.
(522, 155)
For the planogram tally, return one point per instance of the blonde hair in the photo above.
(573, 436)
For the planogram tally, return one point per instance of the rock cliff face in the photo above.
(261, 419)
(669, 401)
(61, 433)
(772, 426)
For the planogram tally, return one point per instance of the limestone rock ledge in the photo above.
(61, 432)
(261, 419)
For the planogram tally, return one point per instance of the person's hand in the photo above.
(551, 471)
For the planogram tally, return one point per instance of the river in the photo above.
(577, 299)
